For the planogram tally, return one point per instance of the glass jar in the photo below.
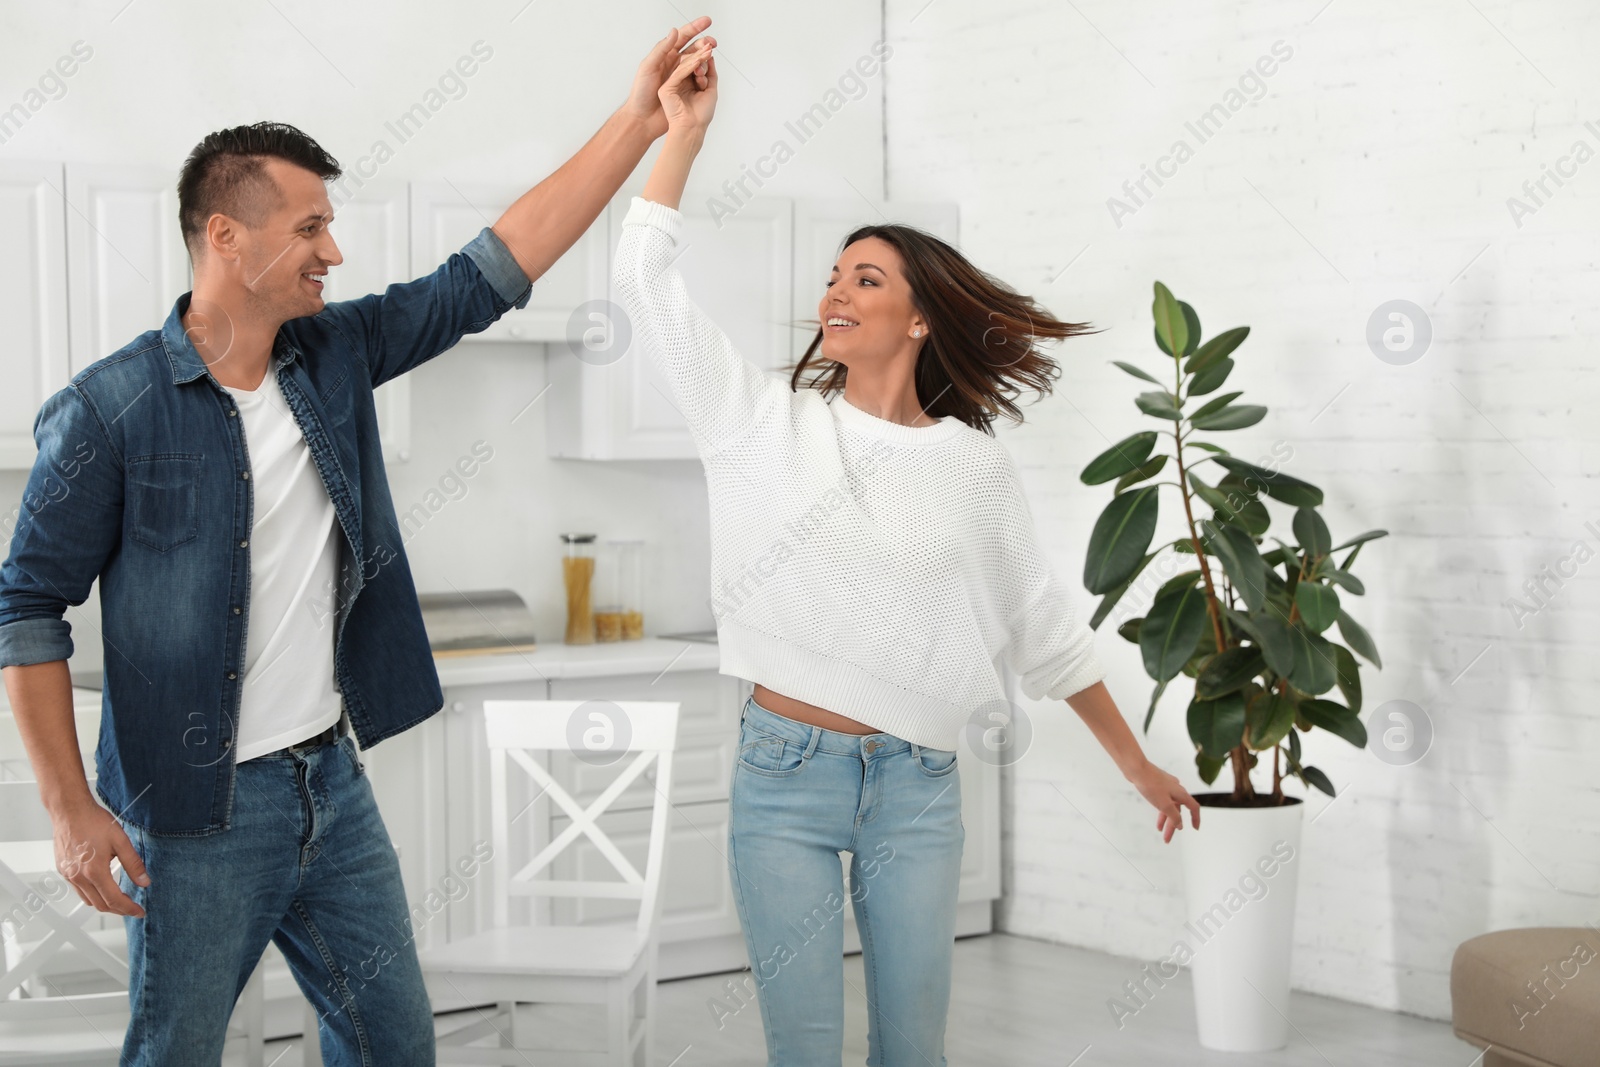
(577, 574)
(629, 557)
(608, 593)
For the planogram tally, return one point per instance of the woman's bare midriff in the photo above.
(809, 714)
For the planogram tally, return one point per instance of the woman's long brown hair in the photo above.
(983, 339)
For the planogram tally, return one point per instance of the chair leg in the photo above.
(619, 1012)
(311, 1041)
(508, 1032)
(252, 1014)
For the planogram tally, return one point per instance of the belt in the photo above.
(328, 736)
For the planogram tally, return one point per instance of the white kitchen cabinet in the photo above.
(446, 215)
(34, 348)
(613, 403)
(126, 261)
(820, 227)
(372, 227)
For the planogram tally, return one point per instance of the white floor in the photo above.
(1020, 1003)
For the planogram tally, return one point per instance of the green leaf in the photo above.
(1210, 378)
(1349, 676)
(1177, 581)
(1109, 601)
(1278, 486)
(1171, 631)
(1336, 719)
(1277, 643)
(1313, 672)
(1209, 768)
(1358, 639)
(1207, 445)
(1232, 417)
(1252, 518)
(1312, 776)
(1120, 458)
(1120, 538)
(1240, 559)
(1155, 698)
(1229, 671)
(1216, 349)
(1172, 327)
(1241, 622)
(1370, 535)
(1216, 404)
(1217, 725)
(1147, 470)
(1129, 630)
(1318, 604)
(1136, 372)
(1341, 578)
(1160, 404)
(1311, 532)
(1294, 751)
(1271, 717)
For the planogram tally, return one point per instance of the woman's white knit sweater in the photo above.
(870, 568)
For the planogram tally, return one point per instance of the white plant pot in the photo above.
(1240, 870)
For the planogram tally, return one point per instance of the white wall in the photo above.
(1376, 166)
(161, 76)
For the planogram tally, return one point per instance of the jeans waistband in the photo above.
(326, 737)
(874, 745)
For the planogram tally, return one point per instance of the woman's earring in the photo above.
(917, 332)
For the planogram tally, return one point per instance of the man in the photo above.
(213, 475)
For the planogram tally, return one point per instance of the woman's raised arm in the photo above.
(719, 392)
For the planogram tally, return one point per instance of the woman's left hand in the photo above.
(653, 72)
(1169, 797)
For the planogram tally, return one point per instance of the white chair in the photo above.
(63, 965)
(572, 963)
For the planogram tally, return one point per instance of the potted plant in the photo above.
(1250, 624)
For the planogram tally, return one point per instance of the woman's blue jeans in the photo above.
(800, 796)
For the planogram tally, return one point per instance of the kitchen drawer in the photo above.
(700, 770)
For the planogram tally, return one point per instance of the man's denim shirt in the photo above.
(141, 482)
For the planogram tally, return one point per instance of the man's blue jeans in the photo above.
(799, 796)
(306, 864)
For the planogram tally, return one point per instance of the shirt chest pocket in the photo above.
(163, 500)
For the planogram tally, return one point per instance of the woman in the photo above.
(872, 554)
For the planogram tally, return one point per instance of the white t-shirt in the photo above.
(289, 689)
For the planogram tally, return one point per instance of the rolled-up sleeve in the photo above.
(66, 526)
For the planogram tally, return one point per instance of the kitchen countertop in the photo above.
(650, 655)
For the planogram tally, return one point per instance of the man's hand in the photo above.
(643, 104)
(1166, 793)
(87, 838)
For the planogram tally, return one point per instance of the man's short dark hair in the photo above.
(226, 173)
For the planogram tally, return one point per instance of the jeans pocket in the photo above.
(163, 490)
(770, 755)
(936, 762)
(348, 743)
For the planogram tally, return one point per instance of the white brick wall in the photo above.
(1376, 166)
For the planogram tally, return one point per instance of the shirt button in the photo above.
(232, 676)
(226, 745)
(238, 611)
(244, 544)
(245, 475)
(232, 412)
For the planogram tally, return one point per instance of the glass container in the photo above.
(577, 574)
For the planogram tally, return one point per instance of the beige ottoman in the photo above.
(1529, 996)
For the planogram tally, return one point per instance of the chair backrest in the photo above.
(43, 922)
(600, 732)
